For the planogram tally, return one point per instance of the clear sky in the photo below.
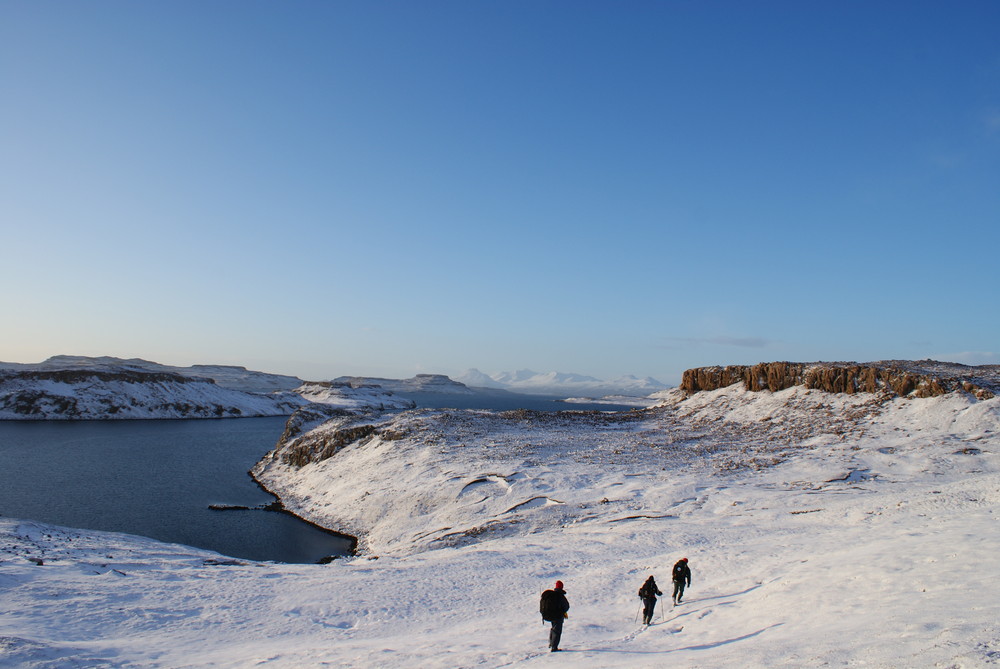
(390, 188)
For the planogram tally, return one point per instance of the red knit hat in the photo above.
(559, 585)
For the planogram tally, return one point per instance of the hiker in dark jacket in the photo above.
(648, 593)
(681, 575)
(553, 607)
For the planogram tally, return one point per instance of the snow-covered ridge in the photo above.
(81, 394)
(561, 384)
(226, 376)
(78, 388)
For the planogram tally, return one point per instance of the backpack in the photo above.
(547, 606)
(679, 571)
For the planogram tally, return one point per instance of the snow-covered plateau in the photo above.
(823, 529)
(81, 388)
(226, 376)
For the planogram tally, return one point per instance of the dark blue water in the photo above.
(157, 479)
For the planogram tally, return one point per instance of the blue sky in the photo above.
(391, 188)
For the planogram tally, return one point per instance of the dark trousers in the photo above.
(678, 590)
(555, 634)
(649, 603)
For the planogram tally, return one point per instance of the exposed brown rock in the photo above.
(898, 378)
(323, 445)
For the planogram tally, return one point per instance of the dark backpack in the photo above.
(547, 606)
(679, 571)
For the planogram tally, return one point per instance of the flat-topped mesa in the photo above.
(903, 378)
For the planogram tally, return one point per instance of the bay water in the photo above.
(156, 478)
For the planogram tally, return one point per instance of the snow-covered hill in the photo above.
(94, 395)
(225, 376)
(421, 383)
(822, 530)
(561, 384)
(77, 388)
(352, 398)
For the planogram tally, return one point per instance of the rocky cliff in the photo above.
(926, 378)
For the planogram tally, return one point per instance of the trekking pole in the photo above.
(637, 613)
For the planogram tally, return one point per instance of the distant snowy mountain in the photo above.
(561, 384)
(473, 378)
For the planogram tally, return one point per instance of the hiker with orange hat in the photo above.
(553, 608)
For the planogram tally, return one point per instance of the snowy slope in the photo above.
(823, 530)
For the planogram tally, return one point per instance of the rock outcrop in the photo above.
(903, 378)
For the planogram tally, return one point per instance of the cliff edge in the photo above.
(925, 378)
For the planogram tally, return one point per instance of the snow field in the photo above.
(813, 541)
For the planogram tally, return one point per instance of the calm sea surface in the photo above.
(155, 478)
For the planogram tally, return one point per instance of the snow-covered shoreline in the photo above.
(73, 388)
(123, 395)
(822, 530)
